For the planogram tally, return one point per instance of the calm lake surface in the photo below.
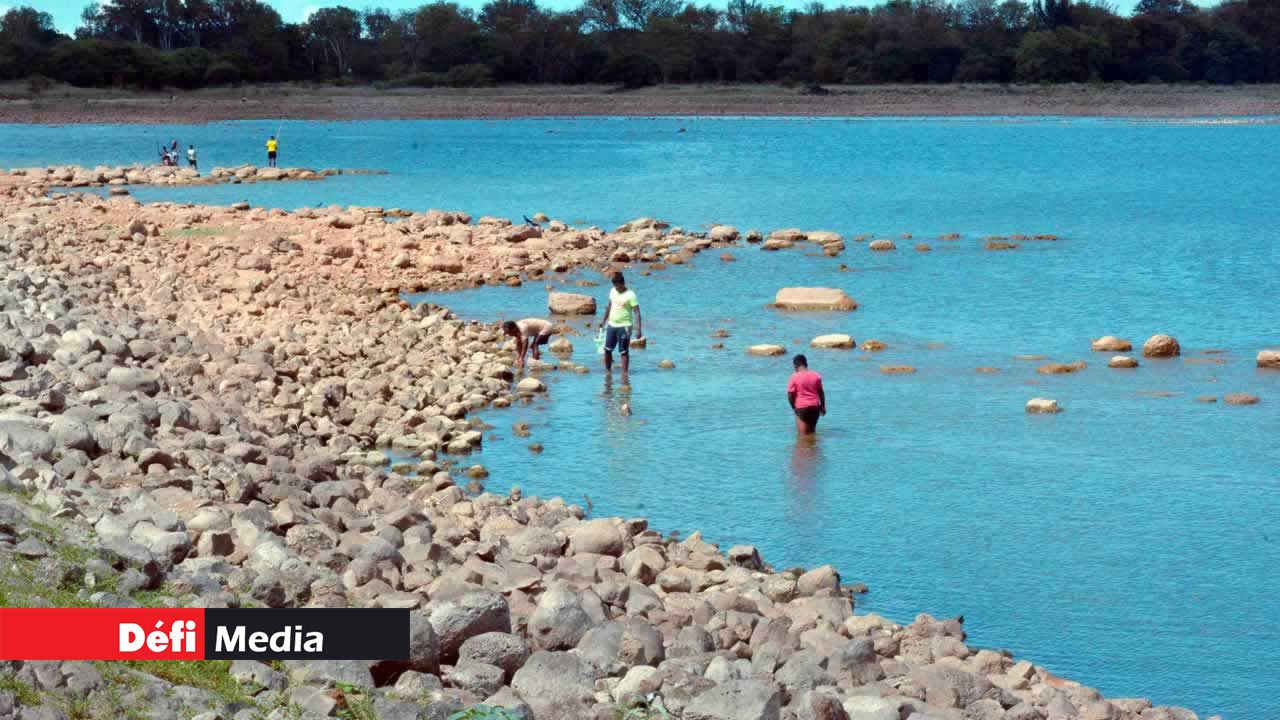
(1129, 542)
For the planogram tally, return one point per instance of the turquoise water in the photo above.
(1128, 542)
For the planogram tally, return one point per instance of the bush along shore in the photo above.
(194, 408)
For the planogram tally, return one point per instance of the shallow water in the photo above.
(1128, 542)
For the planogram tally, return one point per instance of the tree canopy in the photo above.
(193, 43)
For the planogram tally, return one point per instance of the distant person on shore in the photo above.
(804, 392)
(191, 157)
(620, 313)
(273, 146)
(530, 333)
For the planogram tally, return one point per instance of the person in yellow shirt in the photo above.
(272, 146)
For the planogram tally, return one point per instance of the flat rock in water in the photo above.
(766, 350)
(814, 299)
(835, 341)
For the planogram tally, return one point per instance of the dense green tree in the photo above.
(189, 43)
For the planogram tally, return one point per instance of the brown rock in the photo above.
(813, 299)
(1240, 399)
(1110, 343)
(1161, 346)
(897, 369)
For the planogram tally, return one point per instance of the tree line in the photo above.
(196, 43)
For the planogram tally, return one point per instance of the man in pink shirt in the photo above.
(804, 392)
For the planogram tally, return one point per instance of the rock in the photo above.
(897, 370)
(923, 247)
(134, 380)
(813, 299)
(1161, 346)
(766, 350)
(1122, 361)
(72, 434)
(723, 233)
(871, 707)
(472, 614)
(1111, 343)
(530, 386)
(667, 364)
(559, 621)
(873, 346)
(736, 700)
(947, 681)
(1042, 406)
(503, 650)
(994, 244)
(562, 303)
(613, 647)
(555, 684)
(882, 245)
(1207, 398)
(637, 683)
(820, 578)
(1269, 359)
(479, 679)
(834, 341)
(1240, 399)
(1060, 368)
(600, 537)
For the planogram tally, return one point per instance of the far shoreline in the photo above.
(66, 105)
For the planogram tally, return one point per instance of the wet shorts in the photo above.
(618, 337)
(809, 415)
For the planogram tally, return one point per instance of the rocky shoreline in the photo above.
(196, 405)
(41, 179)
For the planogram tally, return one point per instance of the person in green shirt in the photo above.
(620, 313)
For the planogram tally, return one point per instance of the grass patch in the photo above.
(25, 694)
(211, 675)
(358, 705)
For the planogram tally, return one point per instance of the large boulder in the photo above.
(1161, 346)
(948, 685)
(737, 700)
(813, 299)
(559, 621)
(767, 350)
(499, 649)
(555, 684)
(613, 647)
(562, 303)
(472, 614)
(1269, 359)
(601, 537)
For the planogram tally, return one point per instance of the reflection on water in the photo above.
(802, 481)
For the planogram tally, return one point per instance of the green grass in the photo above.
(359, 706)
(211, 675)
(25, 694)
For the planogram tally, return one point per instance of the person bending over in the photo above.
(530, 333)
(804, 392)
(620, 313)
